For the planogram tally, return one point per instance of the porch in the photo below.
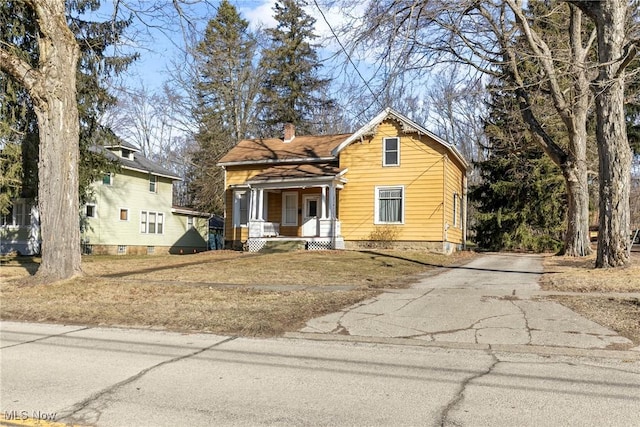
(297, 205)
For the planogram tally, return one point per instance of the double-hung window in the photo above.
(389, 205)
(391, 151)
(289, 209)
(151, 222)
(240, 208)
(153, 183)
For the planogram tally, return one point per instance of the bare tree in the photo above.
(615, 52)
(501, 39)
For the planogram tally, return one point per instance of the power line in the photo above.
(366, 83)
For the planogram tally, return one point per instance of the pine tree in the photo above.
(521, 199)
(18, 124)
(292, 89)
(226, 91)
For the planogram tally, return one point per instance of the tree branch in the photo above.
(19, 69)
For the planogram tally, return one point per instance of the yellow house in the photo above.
(392, 181)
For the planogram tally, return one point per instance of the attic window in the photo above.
(391, 151)
(127, 154)
(107, 179)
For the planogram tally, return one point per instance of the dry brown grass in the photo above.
(182, 292)
(622, 314)
(579, 275)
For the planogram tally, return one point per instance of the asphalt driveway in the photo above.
(494, 300)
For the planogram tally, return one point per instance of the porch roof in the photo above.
(297, 173)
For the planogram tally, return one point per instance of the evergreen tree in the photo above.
(521, 200)
(292, 90)
(18, 125)
(226, 90)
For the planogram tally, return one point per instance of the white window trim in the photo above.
(111, 175)
(377, 203)
(284, 207)
(146, 227)
(384, 151)
(128, 214)
(237, 194)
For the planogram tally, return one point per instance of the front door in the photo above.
(310, 212)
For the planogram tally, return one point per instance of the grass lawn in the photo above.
(222, 292)
(620, 313)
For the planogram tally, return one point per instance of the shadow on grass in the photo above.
(453, 267)
(29, 263)
(164, 267)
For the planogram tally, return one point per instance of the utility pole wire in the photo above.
(375, 97)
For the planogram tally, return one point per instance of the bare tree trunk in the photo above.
(577, 241)
(52, 87)
(613, 147)
(57, 112)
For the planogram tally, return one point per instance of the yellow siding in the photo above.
(421, 172)
(454, 185)
(429, 174)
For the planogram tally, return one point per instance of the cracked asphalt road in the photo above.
(470, 346)
(124, 377)
(493, 300)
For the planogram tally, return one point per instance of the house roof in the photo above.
(321, 148)
(139, 163)
(299, 172)
(307, 148)
(124, 144)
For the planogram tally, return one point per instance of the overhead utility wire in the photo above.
(375, 97)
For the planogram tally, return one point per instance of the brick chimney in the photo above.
(289, 132)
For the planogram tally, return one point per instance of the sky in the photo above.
(159, 49)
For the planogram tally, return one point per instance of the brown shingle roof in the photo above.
(275, 150)
(297, 172)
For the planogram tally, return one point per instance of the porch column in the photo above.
(260, 207)
(332, 201)
(323, 203)
(254, 204)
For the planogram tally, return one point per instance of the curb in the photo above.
(625, 355)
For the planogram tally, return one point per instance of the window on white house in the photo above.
(90, 211)
(124, 214)
(290, 209)
(151, 222)
(240, 208)
(189, 222)
(107, 179)
(389, 205)
(391, 151)
(19, 215)
(153, 183)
